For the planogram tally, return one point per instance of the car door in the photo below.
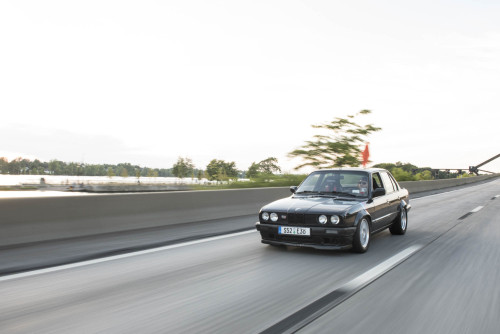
(379, 210)
(391, 197)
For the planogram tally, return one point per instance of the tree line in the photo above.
(338, 144)
(22, 166)
(409, 172)
(216, 170)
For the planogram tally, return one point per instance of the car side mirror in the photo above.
(293, 189)
(378, 192)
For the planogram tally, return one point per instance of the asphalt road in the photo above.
(441, 277)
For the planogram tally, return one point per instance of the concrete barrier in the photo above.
(25, 220)
(421, 186)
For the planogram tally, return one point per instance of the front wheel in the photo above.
(400, 224)
(361, 239)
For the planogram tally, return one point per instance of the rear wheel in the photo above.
(361, 239)
(400, 224)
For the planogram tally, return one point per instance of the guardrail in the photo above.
(26, 220)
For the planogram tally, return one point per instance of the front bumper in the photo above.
(320, 238)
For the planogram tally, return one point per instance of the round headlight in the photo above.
(335, 219)
(322, 219)
(274, 216)
(265, 216)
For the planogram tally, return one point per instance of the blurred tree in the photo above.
(253, 171)
(111, 173)
(124, 172)
(425, 175)
(219, 169)
(15, 166)
(267, 166)
(37, 168)
(56, 167)
(4, 165)
(152, 173)
(183, 167)
(401, 175)
(340, 148)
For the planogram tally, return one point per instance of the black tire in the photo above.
(361, 240)
(400, 224)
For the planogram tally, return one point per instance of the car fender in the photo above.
(404, 205)
(360, 215)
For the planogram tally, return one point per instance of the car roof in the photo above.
(354, 169)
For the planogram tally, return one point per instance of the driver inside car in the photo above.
(363, 186)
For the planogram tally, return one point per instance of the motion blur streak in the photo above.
(238, 285)
(121, 256)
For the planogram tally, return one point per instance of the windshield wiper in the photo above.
(307, 192)
(339, 193)
(328, 193)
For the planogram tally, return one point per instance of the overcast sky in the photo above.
(148, 81)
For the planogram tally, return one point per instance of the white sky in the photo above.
(147, 81)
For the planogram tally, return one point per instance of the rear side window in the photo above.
(388, 185)
(377, 183)
(394, 182)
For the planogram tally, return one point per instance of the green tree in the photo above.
(152, 173)
(15, 166)
(37, 168)
(183, 167)
(341, 147)
(220, 169)
(425, 175)
(111, 173)
(267, 166)
(253, 171)
(4, 165)
(401, 175)
(56, 167)
(124, 172)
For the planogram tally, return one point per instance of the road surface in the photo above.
(441, 277)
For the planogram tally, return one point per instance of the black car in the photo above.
(336, 209)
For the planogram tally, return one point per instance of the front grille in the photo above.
(300, 219)
(296, 219)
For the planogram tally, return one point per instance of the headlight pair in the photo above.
(323, 219)
(273, 216)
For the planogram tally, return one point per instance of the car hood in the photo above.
(311, 204)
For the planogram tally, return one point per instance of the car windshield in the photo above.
(336, 183)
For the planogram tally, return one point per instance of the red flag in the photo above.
(366, 155)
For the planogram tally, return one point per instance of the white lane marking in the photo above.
(497, 196)
(477, 209)
(380, 269)
(121, 256)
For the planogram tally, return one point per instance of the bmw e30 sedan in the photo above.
(337, 209)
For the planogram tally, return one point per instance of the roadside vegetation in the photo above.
(410, 172)
(338, 144)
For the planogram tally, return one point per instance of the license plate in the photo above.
(294, 230)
